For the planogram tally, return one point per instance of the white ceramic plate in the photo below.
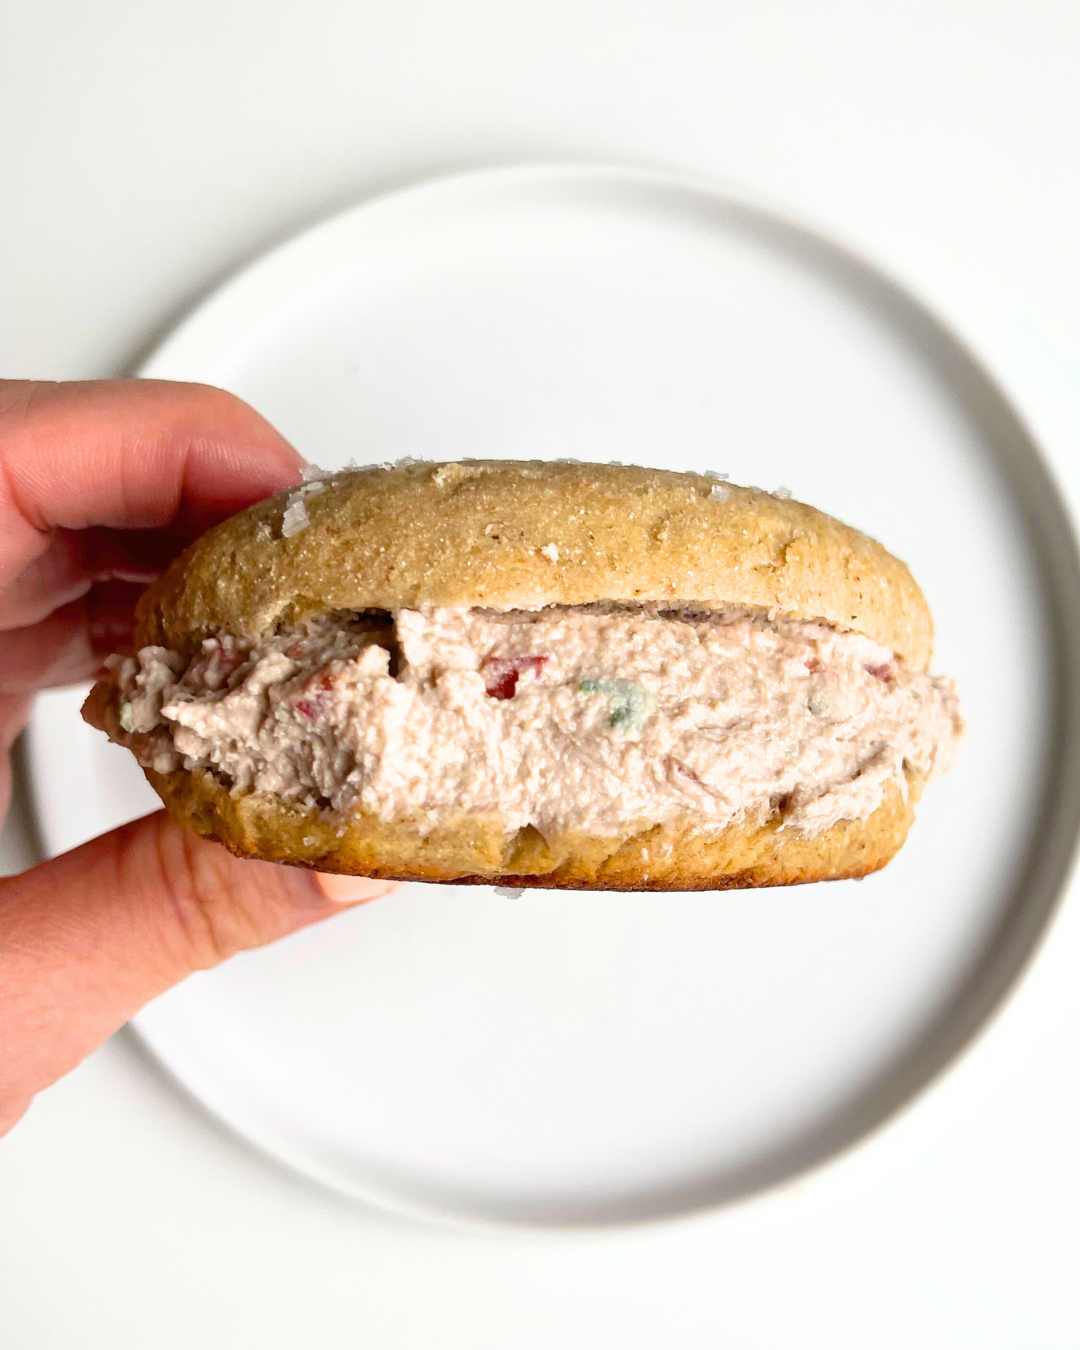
(574, 1057)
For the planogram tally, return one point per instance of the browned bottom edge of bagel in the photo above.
(478, 851)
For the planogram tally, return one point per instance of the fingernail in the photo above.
(351, 890)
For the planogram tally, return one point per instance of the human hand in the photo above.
(100, 485)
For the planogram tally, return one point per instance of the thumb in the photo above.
(89, 937)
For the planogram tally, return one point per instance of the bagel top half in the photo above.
(507, 535)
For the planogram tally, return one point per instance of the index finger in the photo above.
(127, 454)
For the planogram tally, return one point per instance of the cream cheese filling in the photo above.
(599, 719)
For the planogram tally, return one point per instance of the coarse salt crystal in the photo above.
(720, 492)
(295, 517)
(510, 892)
(551, 552)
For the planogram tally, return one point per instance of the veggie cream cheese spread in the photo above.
(593, 719)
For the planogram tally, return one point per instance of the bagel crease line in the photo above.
(537, 675)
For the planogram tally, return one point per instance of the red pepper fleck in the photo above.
(812, 664)
(227, 660)
(501, 673)
(883, 672)
(223, 663)
(316, 689)
(684, 772)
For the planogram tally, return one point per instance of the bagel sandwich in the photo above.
(537, 675)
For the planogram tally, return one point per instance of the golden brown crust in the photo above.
(673, 857)
(510, 535)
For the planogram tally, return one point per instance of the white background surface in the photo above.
(145, 151)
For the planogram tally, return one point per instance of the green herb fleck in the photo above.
(629, 703)
(818, 702)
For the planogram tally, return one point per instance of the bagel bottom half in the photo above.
(478, 851)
